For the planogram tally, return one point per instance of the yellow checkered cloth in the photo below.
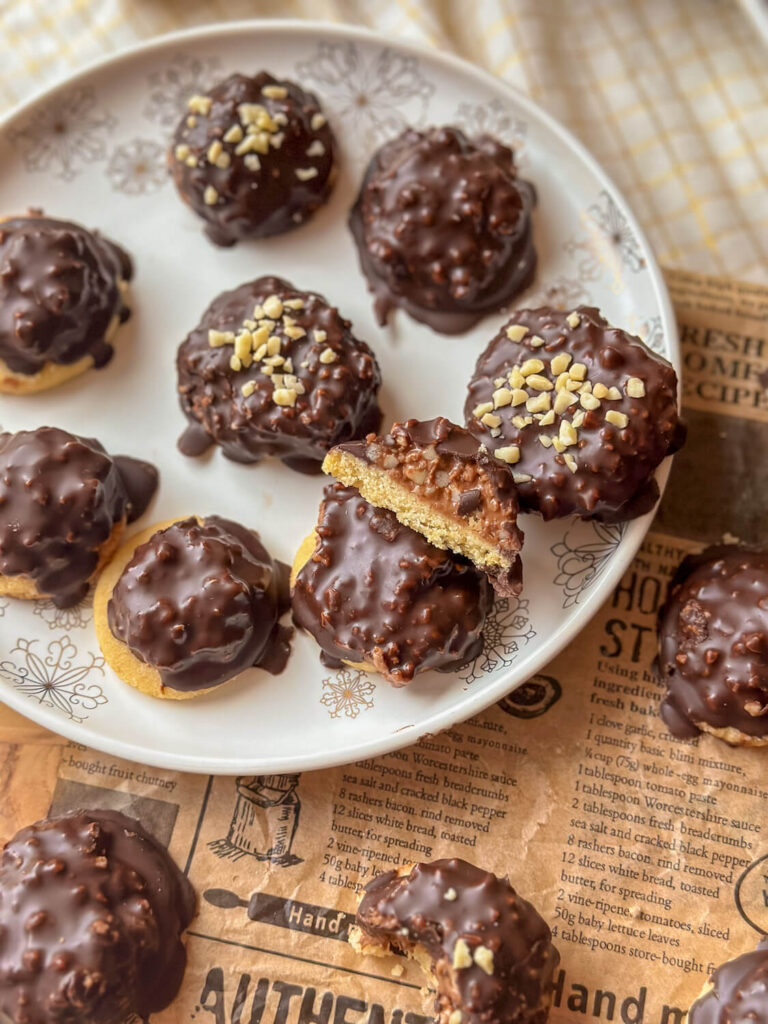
(671, 96)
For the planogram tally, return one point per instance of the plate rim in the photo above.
(476, 700)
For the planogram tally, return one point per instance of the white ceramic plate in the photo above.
(92, 149)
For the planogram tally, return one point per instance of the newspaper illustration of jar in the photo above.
(264, 820)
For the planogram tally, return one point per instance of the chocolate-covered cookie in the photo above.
(376, 594)
(582, 411)
(737, 992)
(64, 504)
(443, 228)
(185, 606)
(440, 481)
(91, 914)
(713, 646)
(253, 157)
(490, 954)
(63, 294)
(273, 371)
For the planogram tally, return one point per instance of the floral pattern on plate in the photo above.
(137, 167)
(374, 97)
(56, 675)
(506, 631)
(77, 617)
(496, 119)
(171, 87)
(581, 562)
(64, 137)
(348, 692)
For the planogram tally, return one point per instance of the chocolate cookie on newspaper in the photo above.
(486, 952)
(713, 646)
(440, 481)
(583, 411)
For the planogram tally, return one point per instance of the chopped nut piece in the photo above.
(536, 341)
(570, 462)
(531, 366)
(199, 105)
(573, 320)
(294, 303)
(499, 382)
(482, 409)
(539, 383)
(547, 418)
(248, 388)
(560, 362)
(210, 195)
(191, 160)
(243, 347)
(516, 379)
(578, 418)
(316, 149)
(274, 345)
(521, 421)
(586, 388)
(306, 173)
(273, 307)
(618, 419)
(214, 150)
(462, 958)
(558, 445)
(288, 365)
(455, 1017)
(223, 160)
(562, 381)
(589, 402)
(614, 395)
(252, 162)
(450, 894)
(491, 420)
(328, 356)
(522, 478)
(753, 708)
(635, 387)
(284, 396)
(540, 403)
(274, 361)
(218, 338)
(516, 332)
(578, 371)
(235, 364)
(320, 337)
(546, 440)
(274, 92)
(564, 400)
(277, 140)
(269, 370)
(502, 397)
(191, 121)
(484, 959)
(182, 151)
(233, 134)
(568, 433)
(573, 385)
(317, 122)
(600, 390)
(294, 333)
(519, 396)
(510, 454)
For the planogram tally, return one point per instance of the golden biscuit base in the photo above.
(378, 488)
(303, 555)
(53, 374)
(733, 736)
(118, 655)
(25, 588)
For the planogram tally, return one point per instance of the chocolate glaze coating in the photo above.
(739, 993)
(462, 478)
(60, 498)
(200, 602)
(443, 228)
(266, 190)
(91, 913)
(58, 293)
(485, 911)
(713, 643)
(613, 479)
(339, 398)
(378, 592)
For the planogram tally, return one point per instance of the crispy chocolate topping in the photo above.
(446, 466)
(585, 412)
(58, 293)
(493, 953)
(375, 591)
(254, 157)
(713, 643)
(91, 913)
(739, 993)
(443, 228)
(325, 394)
(200, 602)
(60, 498)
